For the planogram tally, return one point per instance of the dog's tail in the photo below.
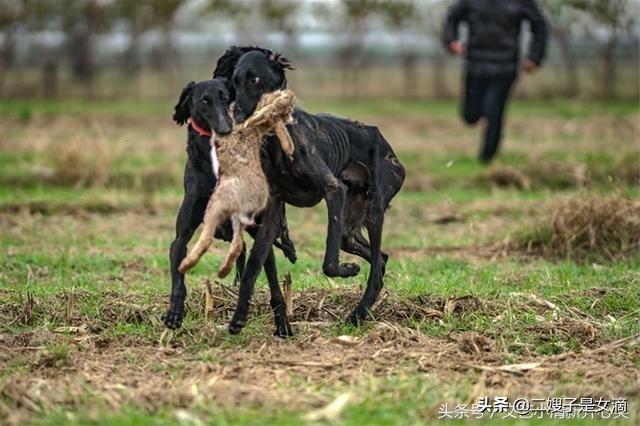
(373, 194)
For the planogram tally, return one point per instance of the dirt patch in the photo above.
(69, 356)
(275, 373)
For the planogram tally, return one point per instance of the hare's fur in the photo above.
(242, 190)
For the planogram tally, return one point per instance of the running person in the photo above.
(492, 57)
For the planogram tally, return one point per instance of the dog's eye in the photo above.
(255, 80)
(205, 101)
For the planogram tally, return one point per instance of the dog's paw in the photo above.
(235, 327)
(349, 269)
(357, 317)
(343, 270)
(283, 330)
(173, 320)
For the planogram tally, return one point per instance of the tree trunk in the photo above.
(291, 41)
(610, 67)
(50, 77)
(131, 62)
(348, 63)
(7, 55)
(80, 50)
(572, 77)
(438, 80)
(410, 75)
(168, 55)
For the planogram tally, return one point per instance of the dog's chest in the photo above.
(215, 164)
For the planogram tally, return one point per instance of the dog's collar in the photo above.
(202, 132)
(199, 129)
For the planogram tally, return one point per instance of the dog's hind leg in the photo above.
(355, 243)
(374, 227)
(357, 179)
(374, 283)
(334, 193)
(283, 329)
(262, 245)
(237, 246)
(214, 215)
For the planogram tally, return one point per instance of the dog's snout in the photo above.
(223, 129)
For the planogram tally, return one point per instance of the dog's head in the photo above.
(208, 103)
(254, 71)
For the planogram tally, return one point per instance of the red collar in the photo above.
(199, 130)
(202, 132)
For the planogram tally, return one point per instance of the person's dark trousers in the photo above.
(486, 96)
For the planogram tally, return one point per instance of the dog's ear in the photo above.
(227, 62)
(182, 109)
(279, 63)
(283, 63)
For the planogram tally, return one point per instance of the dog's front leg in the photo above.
(197, 190)
(262, 245)
(335, 195)
(189, 218)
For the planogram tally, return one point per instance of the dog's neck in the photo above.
(210, 135)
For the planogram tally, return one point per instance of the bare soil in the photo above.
(59, 367)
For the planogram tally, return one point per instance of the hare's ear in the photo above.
(182, 111)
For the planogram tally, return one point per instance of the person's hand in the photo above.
(457, 48)
(529, 66)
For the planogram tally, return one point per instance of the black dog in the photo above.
(206, 106)
(347, 163)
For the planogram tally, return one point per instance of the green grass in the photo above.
(28, 108)
(105, 247)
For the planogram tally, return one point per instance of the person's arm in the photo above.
(456, 14)
(539, 30)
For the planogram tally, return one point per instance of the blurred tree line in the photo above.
(66, 34)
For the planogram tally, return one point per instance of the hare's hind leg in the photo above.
(213, 217)
(236, 246)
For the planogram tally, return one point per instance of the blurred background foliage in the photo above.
(342, 49)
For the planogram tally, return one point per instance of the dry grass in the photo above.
(589, 227)
(59, 363)
(97, 350)
(507, 177)
(564, 174)
(138, 154)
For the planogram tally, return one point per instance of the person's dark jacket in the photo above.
(494, 26)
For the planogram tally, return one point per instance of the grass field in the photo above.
(88, 197)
